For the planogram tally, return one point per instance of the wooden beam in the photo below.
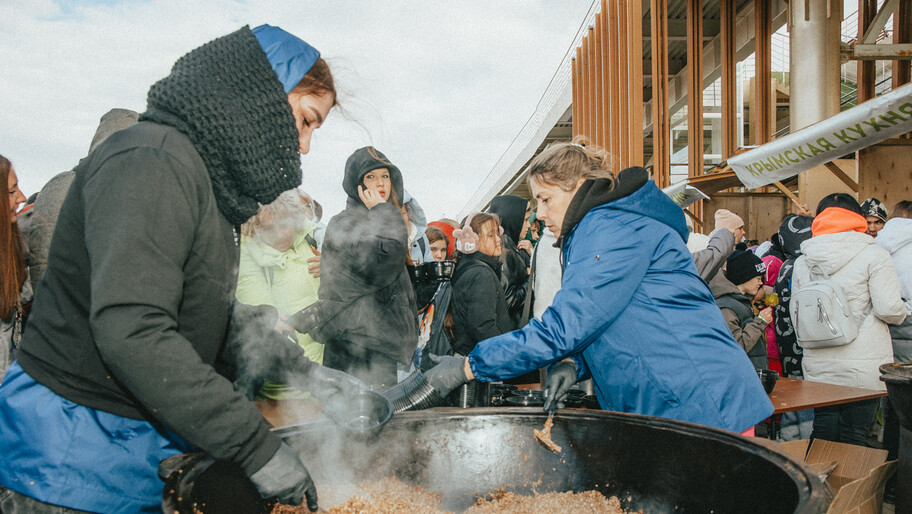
(729, 84)
(623, 85)
(760, 110)
(695, 86)
(593, 91)
(881, 52)
(574, 96)
(902, 34)
(786, 191)
(585, 90)
(841, 175)
(867, 9)
(661, 132)
(878, 22)
(613, 83)
(695, 94)
(635, 76)
(694, 218)
(578, 94)
(605, 94)
(598, 133)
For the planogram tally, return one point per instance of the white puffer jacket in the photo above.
(896, 238)
(866, 274)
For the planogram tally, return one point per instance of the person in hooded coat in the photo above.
(369, 309)
(134, 336)
(794, 230)
(840, 249)
(627, 310)
(896, 238)
(478, 306)
(513, 212)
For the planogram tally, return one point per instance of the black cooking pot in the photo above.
(653, 464)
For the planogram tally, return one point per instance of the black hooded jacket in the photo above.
(132, 312)
(367, 298)
(478, 305)
(515, 278)
(793, 231)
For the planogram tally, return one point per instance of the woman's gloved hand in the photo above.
(560, 379)
(328, 382)
(448, 374)
(285, 478)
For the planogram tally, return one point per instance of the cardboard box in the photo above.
(856, 474)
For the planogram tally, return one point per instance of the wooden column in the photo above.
(574, 96)
(635, 81)
(902, 33)
(760, 110)
(867, 9)
(605, 93)
(598, 135)
(695, 86)
(578, 93)
(593, 92)
(623, 85)
(585, 105)
(695, 94)
(729, 84)
(614, 83)
(661, 132)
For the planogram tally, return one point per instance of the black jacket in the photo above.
(792, 232)
(366, 295)
(135, 303)
(478, 305)
(515, 276)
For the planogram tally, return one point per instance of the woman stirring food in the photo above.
(632, 313)
(125, 361)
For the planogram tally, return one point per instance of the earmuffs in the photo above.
(466, 238)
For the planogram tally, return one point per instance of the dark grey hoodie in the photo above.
(369, 306)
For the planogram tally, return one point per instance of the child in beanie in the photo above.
(744, 272)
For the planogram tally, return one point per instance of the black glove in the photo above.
(308, 320)
(285, 478)
(448, 375)
(560, 379)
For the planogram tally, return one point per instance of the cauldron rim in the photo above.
(755, 445)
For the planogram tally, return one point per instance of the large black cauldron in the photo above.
(650, 463)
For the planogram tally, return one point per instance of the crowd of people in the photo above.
(189, 273)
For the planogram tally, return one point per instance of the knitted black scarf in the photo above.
(225, 97)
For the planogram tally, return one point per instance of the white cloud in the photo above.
(441, 88)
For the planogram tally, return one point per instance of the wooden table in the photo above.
(792, 394)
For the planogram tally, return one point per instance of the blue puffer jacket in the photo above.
(635, 316)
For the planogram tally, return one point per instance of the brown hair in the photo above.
(12, 260)
(318, 81)
(434, 234)
(902, 210)
(564, 164)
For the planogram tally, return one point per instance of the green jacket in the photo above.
(269, 277)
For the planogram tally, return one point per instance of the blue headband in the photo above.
(290, 57)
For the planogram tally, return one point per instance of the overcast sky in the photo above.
(440, 87)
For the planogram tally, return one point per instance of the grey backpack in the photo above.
(821, 314)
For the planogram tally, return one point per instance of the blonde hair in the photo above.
(564, 164)
(294, 205)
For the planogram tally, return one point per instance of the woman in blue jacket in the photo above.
(632, 313)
